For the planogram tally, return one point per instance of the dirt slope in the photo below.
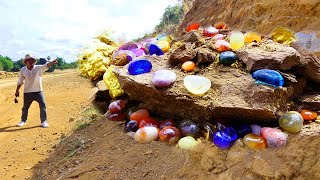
(259, 15)
(22, 148)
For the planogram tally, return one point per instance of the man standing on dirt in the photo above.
(31, 76)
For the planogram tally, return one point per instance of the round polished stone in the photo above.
(197, 85)
(139, 66)
(163, 78)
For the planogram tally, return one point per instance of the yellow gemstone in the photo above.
(197, 85)
(254, 141)
(250, 37)
(282, 35)
(236, 40)
(164, 45)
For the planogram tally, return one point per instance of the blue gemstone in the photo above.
(225, 138)
(228, 58)
(139, 66)
(268, 77)
(154, 49)
(132, 126)
(242, 130)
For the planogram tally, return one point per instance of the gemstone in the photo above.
(255, 129)
(268, 77)
(309, 115)
(148, 121)
(154, 49)
(194, 26)
(254, 141)
(197, 85)
(210, 31)
(132, 126)
(222, 45)
(139, 115)
(291, 121)
(250, 37)
(274, 137)
(227, 58)
(131, 110)
(138, 52)
(139, 66)
(122, 57)
(221, 25)
(218, 37)
(189, 128)
(163, 78)
(242, 130)
(117, 106)
(187, 143)
(167, 122)
(116, 116)
(188, 66)
(236, 40)
(165, 38)
(225, 138)
(163, 45)
(282, 35)
(207, 130)
(170, 135)
(128, 46)
(146, 134)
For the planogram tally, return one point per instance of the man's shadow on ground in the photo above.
(15, 128)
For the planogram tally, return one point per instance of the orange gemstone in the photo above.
(308, 115)
(194, 26)
(222, 45)
(170, 134)
(254, 141)
(139, 115)
(188, 66)
(221, 25)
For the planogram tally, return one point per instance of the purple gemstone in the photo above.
(163, 78)
(128, 46)
(138, 52)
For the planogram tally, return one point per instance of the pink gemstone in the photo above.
(218, 37)
(163, 78)
(274, 137)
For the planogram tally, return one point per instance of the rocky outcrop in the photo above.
(205, 56)
(233, 95)
(254, 15)
(310, 63)
(183, 53)
(269, 55)
(311, 101)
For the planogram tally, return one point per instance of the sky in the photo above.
(63, 27)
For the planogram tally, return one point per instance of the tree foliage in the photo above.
(171, 16)
(6, 64)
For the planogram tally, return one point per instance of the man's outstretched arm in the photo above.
(52, 63)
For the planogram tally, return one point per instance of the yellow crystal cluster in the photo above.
(112, 83)
(96, 58)
(282, 35)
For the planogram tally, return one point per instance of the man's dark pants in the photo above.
(28, 98)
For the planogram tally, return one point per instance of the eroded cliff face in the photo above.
(258, 15)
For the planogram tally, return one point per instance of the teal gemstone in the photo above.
(139, 66)
(228, 58)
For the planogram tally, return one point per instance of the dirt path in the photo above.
(22, 148)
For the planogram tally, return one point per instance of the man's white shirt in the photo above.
(32, 79)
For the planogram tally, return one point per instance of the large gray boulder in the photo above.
(234, 95)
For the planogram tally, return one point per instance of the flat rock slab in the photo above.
(234, 95)
(269, 55)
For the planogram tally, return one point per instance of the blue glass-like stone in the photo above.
(242, 130)
(154, 49)
(225, 138)
(139, 66)
(268, 77)
(227, 58)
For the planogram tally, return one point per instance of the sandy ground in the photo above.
(21, 148)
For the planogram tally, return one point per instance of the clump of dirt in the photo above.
(103, 150)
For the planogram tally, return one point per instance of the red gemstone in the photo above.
(194, 26)
(170, 134)
(139, 115)
(148, 122)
